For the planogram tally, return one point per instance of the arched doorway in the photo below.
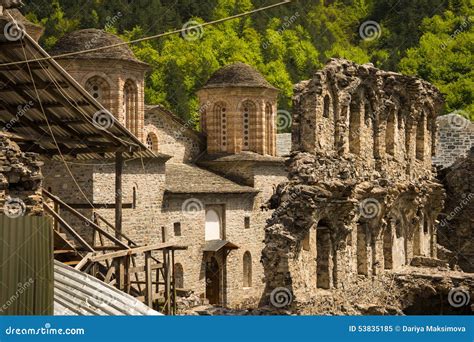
(212, 281)
(323, 259)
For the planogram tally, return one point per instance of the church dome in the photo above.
(90, 39)
(237, 75)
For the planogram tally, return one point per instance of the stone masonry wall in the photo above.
(20, 180)
(455, 139)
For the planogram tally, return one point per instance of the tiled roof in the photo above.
(187, 178)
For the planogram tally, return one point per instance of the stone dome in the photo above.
(237, 75)
(90, 39)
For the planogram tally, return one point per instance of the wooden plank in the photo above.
(83, 262)
(118, 194)
(148, 285)
(138, 250)
(140, 269)
(109, 274)
(70, 230)
(82, 217)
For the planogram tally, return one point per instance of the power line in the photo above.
(214, 22)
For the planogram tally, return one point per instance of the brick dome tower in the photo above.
(239, 111)
(113, 76)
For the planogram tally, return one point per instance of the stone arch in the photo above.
(391, 133)
(355, 124)
(99, 88)
(247, 269)
(179, 276)
(420, 139)
(152, 142)
(130, 109)
(220, 113)
(326, 106)
(324, 262)
(248, 110)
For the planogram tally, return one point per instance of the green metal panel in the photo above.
(26, 266)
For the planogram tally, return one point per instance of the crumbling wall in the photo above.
(456, 228)
(361, 198)
(20, 180)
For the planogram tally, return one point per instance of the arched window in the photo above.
(327, 104)
(391, 133)
(247, 272)
(249, 115)
(178, 276)
(220, 115)
(213, 230)
(134, 197)
(354, 126)
(130, 99)
(152, 142)
(99, 89)
(420, 137)
(270, 129)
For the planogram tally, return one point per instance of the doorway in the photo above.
(213, 281)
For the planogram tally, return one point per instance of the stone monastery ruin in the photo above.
(221, 217)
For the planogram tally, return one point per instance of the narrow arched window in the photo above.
(420, 137)
(152, 142)
(327, 104)
(247, 271)
(249, 113)
(213, 229)
(270, 129)
(130, 99)
(134, 197)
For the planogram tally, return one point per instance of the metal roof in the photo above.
(78, 124)
(79, 294)
(216, 245)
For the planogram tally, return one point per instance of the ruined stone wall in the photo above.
(173, 138)
(20, 180)
(357, 109)
(455, 139)
(456, 227)
(356, 203)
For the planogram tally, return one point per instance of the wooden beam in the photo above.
(148, 280)
(118, 194)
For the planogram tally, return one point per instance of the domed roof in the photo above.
(90, 39)
(237, 75)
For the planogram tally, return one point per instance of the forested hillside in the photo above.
(429, 38)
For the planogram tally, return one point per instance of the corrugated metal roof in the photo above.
(72, 113)
(79, 294)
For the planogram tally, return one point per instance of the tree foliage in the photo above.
(287, 44)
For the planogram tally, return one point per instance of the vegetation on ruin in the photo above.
(432, 39)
